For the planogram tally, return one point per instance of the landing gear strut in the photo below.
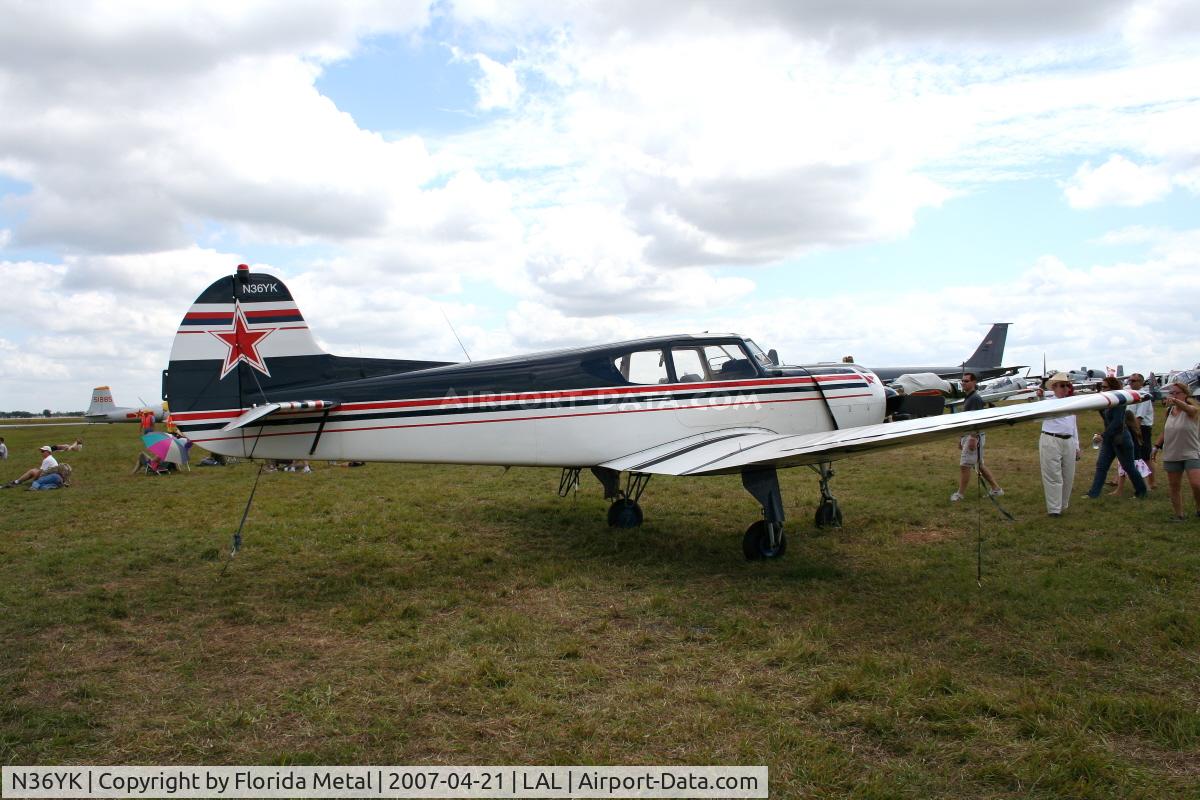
(765, 538)
(625, 511)
(828, 513)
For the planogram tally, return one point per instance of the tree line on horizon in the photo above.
(45, 412)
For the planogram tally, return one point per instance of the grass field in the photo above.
(400, 614)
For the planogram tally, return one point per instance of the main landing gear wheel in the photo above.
(624, 513)
(756, 544)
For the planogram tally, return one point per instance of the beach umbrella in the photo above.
(165, 448)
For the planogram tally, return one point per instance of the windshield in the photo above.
(758, 354)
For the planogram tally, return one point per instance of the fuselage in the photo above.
(889, 374)
(567, 408)
(123, 415)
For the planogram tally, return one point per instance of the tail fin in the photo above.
(243, 337)
(244, 342)
(102, 402)
(991, 350)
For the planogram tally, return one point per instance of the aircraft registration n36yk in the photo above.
(246, 378)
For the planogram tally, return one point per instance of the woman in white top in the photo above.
(1058, 451)
(1180, 446)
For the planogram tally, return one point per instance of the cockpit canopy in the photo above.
(698, 361)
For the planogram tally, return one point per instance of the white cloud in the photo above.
(498, 87)
(91, 321)
(850, 24)
(1155, 23)
(586, 261)
(532, 326)
(1116, 182)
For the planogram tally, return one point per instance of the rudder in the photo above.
(102, 402)
(242, 338)
(990, 352)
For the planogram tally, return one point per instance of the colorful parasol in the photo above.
(166, 448)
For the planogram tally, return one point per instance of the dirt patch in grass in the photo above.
(929, 535)
(1178, 764)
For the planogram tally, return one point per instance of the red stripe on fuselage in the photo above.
(510, 419)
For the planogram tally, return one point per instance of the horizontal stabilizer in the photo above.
(266, 410)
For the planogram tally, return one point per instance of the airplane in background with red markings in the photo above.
(103, 409)
(246, 378)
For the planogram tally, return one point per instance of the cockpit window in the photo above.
(689, 364)
(758, 354)
(728, 362)
(642, 366)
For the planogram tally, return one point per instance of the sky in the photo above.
(882, 180)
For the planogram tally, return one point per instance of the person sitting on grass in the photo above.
(151, 464)
(56, 477)
(34, 473)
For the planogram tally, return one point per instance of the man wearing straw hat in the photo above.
(1058, 450)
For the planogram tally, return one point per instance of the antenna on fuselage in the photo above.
(446, 317)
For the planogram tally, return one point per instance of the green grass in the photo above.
(411, 614)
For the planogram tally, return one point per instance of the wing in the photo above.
(735, 449)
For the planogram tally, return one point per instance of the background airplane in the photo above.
(1190, 377)
(102, 409)
(246, 378)
(1089, 379)
(997, 390)
(984, 362)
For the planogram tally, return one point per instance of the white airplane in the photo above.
(102, 409)
(1088, 380)
(246, 378)
(1189, 377)
(1000, 389)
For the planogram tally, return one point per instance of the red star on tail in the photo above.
(243, 344)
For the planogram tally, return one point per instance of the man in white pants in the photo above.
(1058, 451)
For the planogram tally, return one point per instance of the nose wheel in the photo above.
(828, 514)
